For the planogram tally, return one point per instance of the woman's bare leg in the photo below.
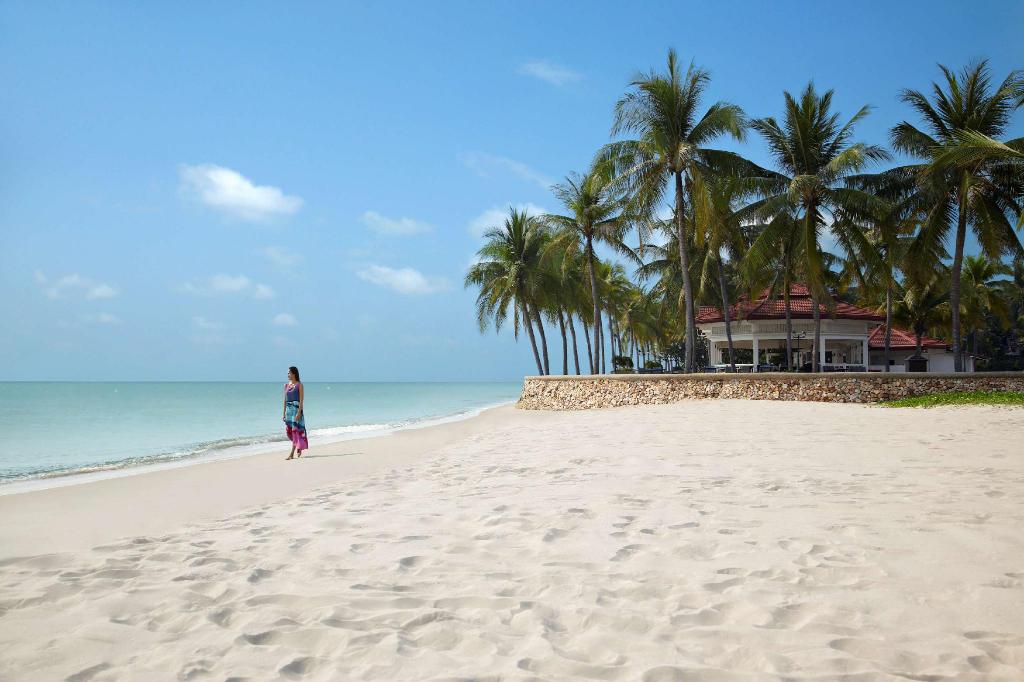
(291, 455)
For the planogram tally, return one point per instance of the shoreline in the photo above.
(157, 500)
(164, 462)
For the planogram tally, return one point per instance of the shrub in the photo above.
(622, 362)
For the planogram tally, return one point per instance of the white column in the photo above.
(821, 354)
(754, 339)
(867, 355)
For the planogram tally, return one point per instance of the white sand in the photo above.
(713, 540)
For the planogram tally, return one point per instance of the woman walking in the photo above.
(294, 422)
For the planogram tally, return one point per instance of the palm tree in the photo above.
(717, 229)
(662, 110)
(977, 188)
(638, 318)
(595, 210)
(982, 294)
(618, 291)
(568, 295)
(922, 305)
(816, 152)
(510, 273)
(721, 235)
(877, 240)
(774, 259)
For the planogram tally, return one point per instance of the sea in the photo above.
(59, 433)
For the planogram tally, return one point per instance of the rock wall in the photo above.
(591, 392)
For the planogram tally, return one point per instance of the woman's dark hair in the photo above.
(295, 371)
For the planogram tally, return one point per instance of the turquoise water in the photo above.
(66, 427)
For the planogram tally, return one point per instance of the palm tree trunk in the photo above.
(815, 360)
(590, 352)
(533, 341)
(575, 348)
(597, 305)
(888, 320)
(611, 341)
(613, 333)
(610, 350)
(543, 341)
(725, 314)
(565, 343)
(789, 323)
(604, 349)
(684, 265)
(954, 286)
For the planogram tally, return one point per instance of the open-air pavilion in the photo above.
(849, 336)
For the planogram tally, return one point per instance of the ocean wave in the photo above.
(215, 450)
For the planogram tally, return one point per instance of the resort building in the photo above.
(852, 338)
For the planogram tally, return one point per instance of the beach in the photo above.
(702, 540)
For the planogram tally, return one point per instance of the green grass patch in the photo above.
(960, 398)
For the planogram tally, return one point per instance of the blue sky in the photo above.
(214, 191)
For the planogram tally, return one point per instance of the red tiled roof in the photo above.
(900, 339)
(800, 305)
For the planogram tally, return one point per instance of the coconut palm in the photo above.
(595, 214)
(569, 294)
(817, 154)
(979, 189)
(922, 305)
(510, 273)
(877, 240)
(721, 237)
(662, 110)
(775, 259)
(982, 294)
(612, 284)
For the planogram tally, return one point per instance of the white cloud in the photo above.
(407, 281)
(285, 320)
(102, 318)
(222, 284)
(262, 291)
(485, 165)
(555, 74)
(200, 322)
(234, 194)
(495, 217)
(384, 225)
(281, 258)
(101, 291)
(74, 285)
(207, 332)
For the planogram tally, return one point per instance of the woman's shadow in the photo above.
(340, 454)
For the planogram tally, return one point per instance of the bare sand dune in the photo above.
(713, 540)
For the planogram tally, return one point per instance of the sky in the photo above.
(215, 191)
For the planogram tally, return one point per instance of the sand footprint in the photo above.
(626, 552)
(298, 668)
(87, 674)
(259, 574)
(554, 533)
(411, 562)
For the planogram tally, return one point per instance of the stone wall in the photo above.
(610, 390)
